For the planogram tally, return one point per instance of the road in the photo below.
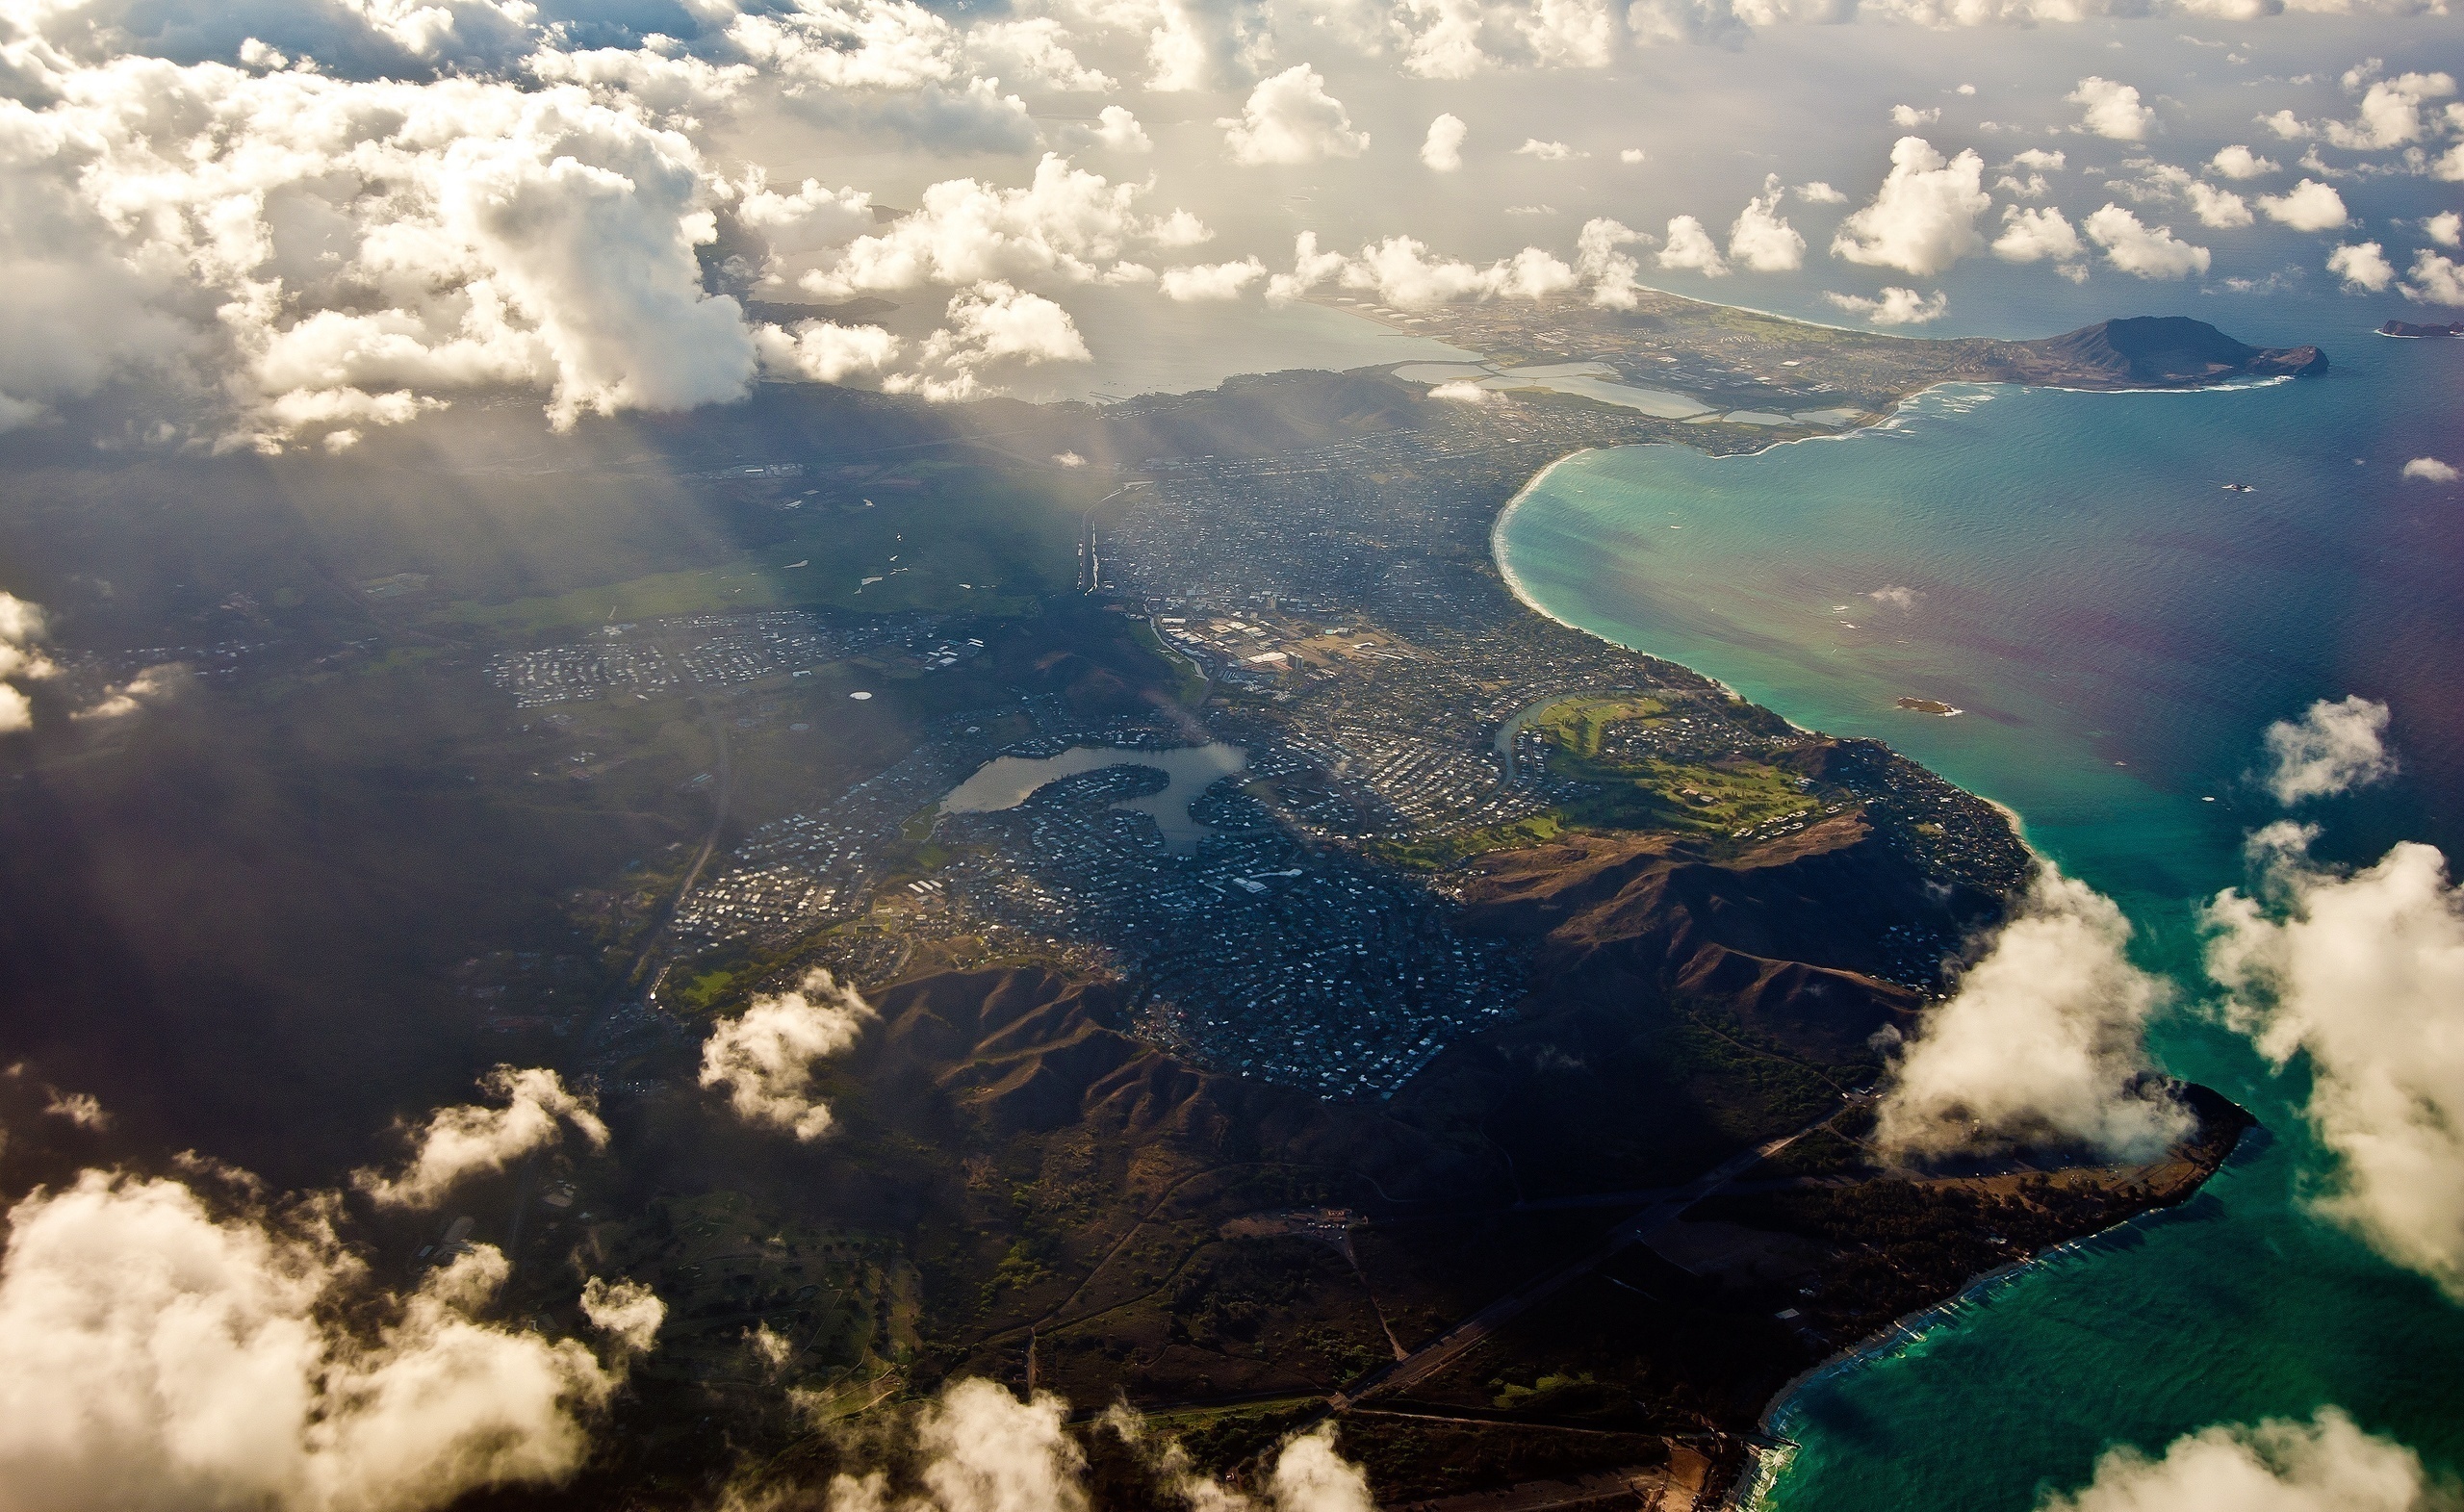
(1448, 1347)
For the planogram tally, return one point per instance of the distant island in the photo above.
(1926, 706)
(2409, 329)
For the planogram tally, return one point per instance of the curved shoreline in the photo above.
(1764, 1461)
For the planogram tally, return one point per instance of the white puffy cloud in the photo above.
(890, 62)
(1404, 276)
(2431, 470)
(1907, 117)
(156, 1355)
(2435, 279)
(1119, 131)
(1310, 267)
(1066, 223)
(810, 218)
(1923, 218)
(1038, 50)
(2362, 265)
(1457, 39)
(150, 685)
(982, 1450)
(22, 659)
(2391, 113)
(765, 1058)
(2446, 228)
(2143, 251)
(1818, 192)
(1198, 45)
(2109, 109)
(1896, 306)
(2325, 1465)
(310, 250)
(2220, 208)
(1611, 271)
(2307, 206)
(463, 1141)
(823, 351)
(2333, 748)
(2036, 236)
(2363, 973)
(627, 1310)
(1442, 149)
(1761, 237)
(2047, 159)
(1547, 151)
(1462, 391)
(2042, 1041)
(2238, 162)
(1690, 247)
(1290, 118)
(1207, 281)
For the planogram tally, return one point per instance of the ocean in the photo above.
(2117, 629)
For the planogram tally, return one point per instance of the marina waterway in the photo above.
(1004, 783)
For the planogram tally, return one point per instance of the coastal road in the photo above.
(1448, 1347)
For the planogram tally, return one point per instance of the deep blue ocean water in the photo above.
(2118, 630)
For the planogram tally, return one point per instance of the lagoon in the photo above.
(1004, 783)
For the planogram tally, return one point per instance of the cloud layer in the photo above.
(2325, 1465)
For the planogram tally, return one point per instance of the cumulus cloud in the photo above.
(1600, 259)
(1458, 39)
(157, 1355)
(2238, 162)
(2307, 206)
(1907, 117)
(2435, 279)
(1310, 267)
(1118, 130)
(2363, 973)
(2220, 208)
(1442, 149)
(2391, 113)
(765, 1058)
(2143, 251)
(1923, 218)
(627, 1310)
(1895, 306)
(2431, 470)
(22, 627)
(1761, 237)
(2362, 265)
(823, 351)
(2325, 1465)
(982, 1450)
(2333, 748)
(1818, 192)
(2048, 159)
(2042, 1041)
(2036, 236)
(150, 685)
(463, 1141)
(1405, 275)
(2446, 228)
(1547, 151)
(1038, 50)
(1462, 391)
(2110, 109)
(1290, 119)
(1210, 281)
(1064, 223)
(1689, 246)
(311, 251)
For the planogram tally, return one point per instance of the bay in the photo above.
(2118, 630)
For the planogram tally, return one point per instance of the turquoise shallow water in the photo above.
(2117, 628)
